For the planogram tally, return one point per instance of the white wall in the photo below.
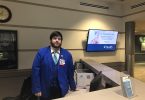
(35, 20)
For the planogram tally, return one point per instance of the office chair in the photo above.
(25, 93)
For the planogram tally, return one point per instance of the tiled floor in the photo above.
(139, 71)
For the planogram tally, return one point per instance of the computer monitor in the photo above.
(96, 83)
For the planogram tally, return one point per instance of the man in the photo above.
(52, 70)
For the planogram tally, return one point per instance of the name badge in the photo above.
(61, 62)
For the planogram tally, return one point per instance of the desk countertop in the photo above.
(114, 93)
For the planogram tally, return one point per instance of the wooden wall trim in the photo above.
(31, 50)
(41, 27)
(15, 73)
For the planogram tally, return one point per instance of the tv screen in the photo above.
(101, 40)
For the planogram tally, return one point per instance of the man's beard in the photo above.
(54, 46)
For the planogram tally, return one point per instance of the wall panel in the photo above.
(35, 21)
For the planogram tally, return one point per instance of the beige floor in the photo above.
(139, 71)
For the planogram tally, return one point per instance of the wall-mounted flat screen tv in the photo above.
(101, 40)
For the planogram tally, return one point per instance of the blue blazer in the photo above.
(43, 69)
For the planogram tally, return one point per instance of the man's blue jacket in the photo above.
(43, 70)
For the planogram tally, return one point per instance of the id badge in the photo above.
(61, 62)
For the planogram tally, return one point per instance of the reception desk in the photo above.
(114, 93)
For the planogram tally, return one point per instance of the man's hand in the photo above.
(39, 94)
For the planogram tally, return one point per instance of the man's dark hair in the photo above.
(56, 33)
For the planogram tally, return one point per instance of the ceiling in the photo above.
(139, 18)
(113, 0)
